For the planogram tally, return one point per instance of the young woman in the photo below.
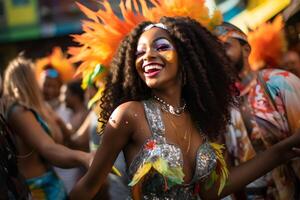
(166, 99)
(35, 133)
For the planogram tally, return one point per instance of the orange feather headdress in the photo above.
(57, 61)
(270, 36)
(104, 31)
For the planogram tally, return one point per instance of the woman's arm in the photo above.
(25, 125)
(117, 134)
(251, 170)
(78, 140)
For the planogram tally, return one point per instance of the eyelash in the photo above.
(162, 47)
(139, 53)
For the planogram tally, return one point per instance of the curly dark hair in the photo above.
(209, 88)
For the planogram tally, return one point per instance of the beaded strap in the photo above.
(154, 119)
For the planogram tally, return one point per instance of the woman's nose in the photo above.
(150, 54)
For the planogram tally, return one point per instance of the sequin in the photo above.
(153, 186)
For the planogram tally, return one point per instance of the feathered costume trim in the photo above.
(221, 172)
(173, 175)
(57, 61)
(270, 36)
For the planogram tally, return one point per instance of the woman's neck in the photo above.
(170, 96)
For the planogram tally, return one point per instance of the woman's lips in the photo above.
(152, 74)
(152, 69)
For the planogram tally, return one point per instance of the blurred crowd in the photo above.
(49, 123)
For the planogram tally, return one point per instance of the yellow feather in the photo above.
(161, 166)
(141, 172)
(116, 171)
(221, 168)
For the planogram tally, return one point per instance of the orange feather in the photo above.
(59, 62)
(267, 44)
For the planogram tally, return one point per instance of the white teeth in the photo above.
(151, 67)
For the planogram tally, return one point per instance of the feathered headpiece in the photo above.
(56, 60)
(270, 36)
(104, 31)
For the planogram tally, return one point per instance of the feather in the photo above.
(221, 171)
(270, 36)
(116, 171)
(141, 172)
(95, 98)
(59, 62)
(195, 9)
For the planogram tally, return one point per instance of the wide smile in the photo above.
(152, 69)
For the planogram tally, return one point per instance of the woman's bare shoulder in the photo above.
(16, 110)
(129, 108)
(127, 111)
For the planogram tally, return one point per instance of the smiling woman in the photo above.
(156, 60)
(165, 101)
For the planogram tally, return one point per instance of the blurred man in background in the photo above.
(269, 111)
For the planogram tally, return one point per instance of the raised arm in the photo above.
(116, 136)
(26, 126)
(262, 163)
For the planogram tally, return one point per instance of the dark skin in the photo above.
(238, 53)
(51, 87)
(129, 123)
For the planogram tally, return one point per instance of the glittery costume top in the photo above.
(157, 168)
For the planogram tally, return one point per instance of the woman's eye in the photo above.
(163, 47)
(139, 53)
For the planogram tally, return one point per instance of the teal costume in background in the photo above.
(47, 186)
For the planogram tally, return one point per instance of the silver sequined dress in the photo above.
(154, 184)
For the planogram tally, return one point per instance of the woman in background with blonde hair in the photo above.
(36, 133)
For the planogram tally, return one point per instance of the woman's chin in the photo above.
(153, 84)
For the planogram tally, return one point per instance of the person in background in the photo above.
(12, 183)
(52, 73)
(75, 100)
(291, 62)
(269, 110)
(35, 133)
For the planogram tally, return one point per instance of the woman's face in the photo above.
(156, 58)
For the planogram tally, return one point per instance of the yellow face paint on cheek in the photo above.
(169, 55)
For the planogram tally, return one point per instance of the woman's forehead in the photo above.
(152, 35)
